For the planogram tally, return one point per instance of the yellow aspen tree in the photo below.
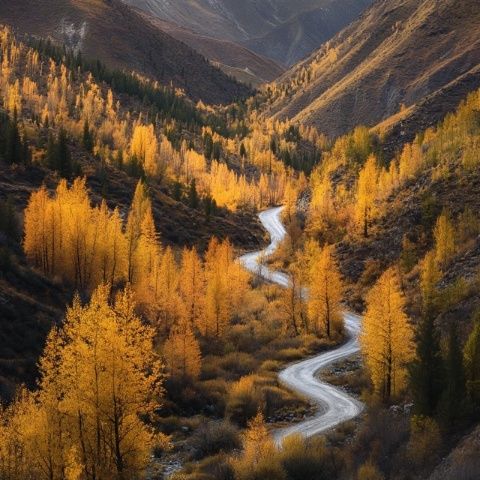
(366, 194)
(110, 377)
(293, 305)
(216, 303)
(51, 450)
(81, 234)
(182, 354)
(321, 208)
(148, 249)
(36, 242)
(290, 200)
(17, 460)
(227, 283)
(325, 294)
(444, 235)
(192, 286)
(140, 206)
(430, 275)
(217, 312)
(114, 270)
(259, 457)
(387, 336)
(144, 147)
(168, 303)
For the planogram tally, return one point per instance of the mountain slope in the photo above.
(398, 53)
(120, 37)
(231, 57)
(298, 37)
(283, 30)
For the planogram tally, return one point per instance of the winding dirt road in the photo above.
(335, 406)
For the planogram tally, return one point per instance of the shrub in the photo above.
(242, 338)
(271, 366)
(369, 471)
(244, 400)
(306, 459)
(425, 442)
(277, 398)
(213, 395)
(372, 271)
(290, 354)
(211, 369)
(238, 364)
(213, 438)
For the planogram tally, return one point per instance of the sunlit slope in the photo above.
(394, 56)
(121, 38)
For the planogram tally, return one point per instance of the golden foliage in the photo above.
(325, 294)
(258, 459)
(444, 240)
(387, 336)
(367, 194)
(99, 376)
(227, 283)
(182, 354)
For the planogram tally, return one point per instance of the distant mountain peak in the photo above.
(281, 30)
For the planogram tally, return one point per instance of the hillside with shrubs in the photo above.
(133, 344)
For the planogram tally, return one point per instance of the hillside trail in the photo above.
(335, 406)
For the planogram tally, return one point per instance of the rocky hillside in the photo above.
(232, 58)
(298, 37)
(282, 30)
(396, 56)
(121, 38)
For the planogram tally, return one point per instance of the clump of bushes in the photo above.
(213, 438)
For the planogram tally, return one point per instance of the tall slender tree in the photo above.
(387, 336)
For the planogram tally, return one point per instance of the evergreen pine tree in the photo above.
(453, 402)
(63, 155)
(13, 143)
(427, 371)
(51, 157)
(193, 195)
(208, 145)
(87, 137)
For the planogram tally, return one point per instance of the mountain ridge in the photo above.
(233, 58)
(108, 30)
(277, 29)
(395, 55)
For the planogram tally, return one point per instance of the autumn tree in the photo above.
(192, 286)
(293, 304)
(99, 379)
(444, 240)
(366, 194)
(258, 459)
(148, 251)
(140, 207)
(170, 309)
(111, 247)
(109, 376)
(325, 294)
(387, 338)
(226, 284)
(144, 147)
(182, 354)
(430, 275)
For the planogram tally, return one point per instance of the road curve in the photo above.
(335, 406)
